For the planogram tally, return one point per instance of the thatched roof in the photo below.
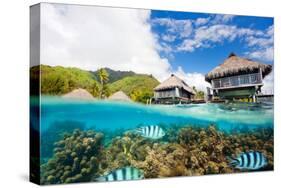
(119, 96)
(235, 65)
(173, 82)
(79, 94)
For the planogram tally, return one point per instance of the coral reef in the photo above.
(196, 151)
(208, 148)
(75, 158)
(54, 133)
(163, 160)
(123, 150)
(185, 151)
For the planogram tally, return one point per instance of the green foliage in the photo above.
(103, 78)
(59, 80)
(198, 94)
(138, 87)
(114, 75)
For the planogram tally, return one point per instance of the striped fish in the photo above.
(126, 173)
(252, 160)
(151, 131)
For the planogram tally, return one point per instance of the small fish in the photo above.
(126, 173)
(252, 160)
(151, 131)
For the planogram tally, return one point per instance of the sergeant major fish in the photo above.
(126, 173)
(252, 160)
(151, 131)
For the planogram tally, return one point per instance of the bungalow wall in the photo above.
(237, 92)
(185, 94)
(172, 93)
(168, 93)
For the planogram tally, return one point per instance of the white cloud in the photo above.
(205, 36)
(168, 37)
(193, 79)
(216, 30)
(222, 18)
(264, 54)
(261, 46)
(164, 47)
(258, 41)
(270, 31)
(215, 33)
(268, 87)
(189, 45)
(91, 37)
(180, 28)
(201, 21)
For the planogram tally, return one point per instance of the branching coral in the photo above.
(80, 156)
(123, 150)
(208, 148)
(196, 151)
(75, 158)
(163, 160)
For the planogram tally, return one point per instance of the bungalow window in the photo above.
(234, 81)
(169, 93)
(225, 82)
(244, 79)
(255, 78)
(216, 83)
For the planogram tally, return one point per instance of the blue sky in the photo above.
(246, 36)
(159, 43)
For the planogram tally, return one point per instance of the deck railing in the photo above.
(237, 81)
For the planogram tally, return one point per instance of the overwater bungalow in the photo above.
(173, 91)
(237, 79)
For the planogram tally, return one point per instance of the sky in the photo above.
(152, 42)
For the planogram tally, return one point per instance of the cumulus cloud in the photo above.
(179, 28)
(207, 32)
(168, 37)
(207, 35)
(193, 79)
(201, 21)
(222, 18)
(92, 37)
(261, 45)
(268, 87)
(265, 54)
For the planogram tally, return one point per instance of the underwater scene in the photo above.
(122, 94)
(103, 140)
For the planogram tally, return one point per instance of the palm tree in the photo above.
(198, 94)
(103, 77)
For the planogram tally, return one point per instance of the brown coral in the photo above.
(190, 151)
(75, 158)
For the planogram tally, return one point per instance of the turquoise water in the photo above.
(59, 115)
(108, 115)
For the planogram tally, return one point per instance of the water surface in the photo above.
(111, 115)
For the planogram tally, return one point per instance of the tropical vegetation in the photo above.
(102, 83)
(138, 87)
(198, 94)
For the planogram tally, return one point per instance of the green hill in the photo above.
(60, 80)
(138, 87)
(115, 75)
